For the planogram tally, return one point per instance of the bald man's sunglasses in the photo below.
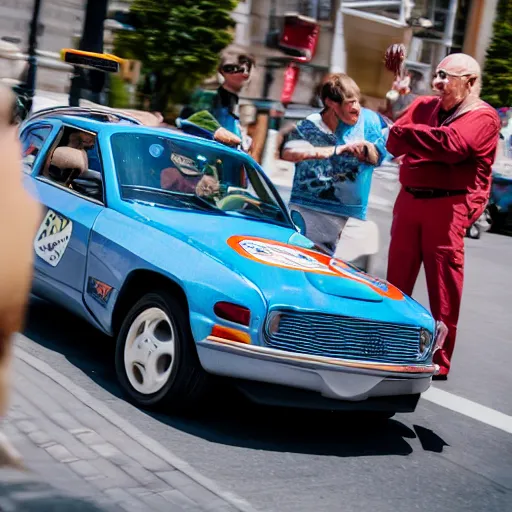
(443, 75)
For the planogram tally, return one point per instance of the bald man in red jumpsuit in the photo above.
(448, 144)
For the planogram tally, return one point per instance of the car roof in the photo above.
(94, 115)
(112, 121)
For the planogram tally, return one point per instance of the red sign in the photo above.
(300, 37)
(291, 77)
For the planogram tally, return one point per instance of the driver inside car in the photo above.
(186, 177)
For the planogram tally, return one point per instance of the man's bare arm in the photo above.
(311, 153)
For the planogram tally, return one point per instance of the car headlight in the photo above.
(273, 323)
(425, 340)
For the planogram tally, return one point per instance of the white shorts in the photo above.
(346, 238)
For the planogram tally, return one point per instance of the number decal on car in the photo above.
(52, 238)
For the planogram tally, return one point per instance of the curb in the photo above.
(147, 442)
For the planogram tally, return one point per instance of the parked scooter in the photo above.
(481, 225)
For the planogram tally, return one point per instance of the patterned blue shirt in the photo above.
(339, 185)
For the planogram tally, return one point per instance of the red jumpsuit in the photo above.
(455, 155)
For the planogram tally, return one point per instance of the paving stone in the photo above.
(139, 492)
(119, 439)
(175, 478)
(87, 436)
(55, 431)
(40, 437)
(178, 499)
(124, 499)
(114, 476)
(26, 426)
(84, 468)
(153, 500)
(61, 453)
(61, 477)
(146, 478)
(30, 451)
(11, 432)
(66, 421)
(192, 489)
(224, 507)
(110, 452)
(15, 414)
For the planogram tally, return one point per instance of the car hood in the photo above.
(279, 261)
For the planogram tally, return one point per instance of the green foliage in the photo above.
(497, 78)
(179, 41)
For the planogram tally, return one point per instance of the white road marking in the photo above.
(470, 409)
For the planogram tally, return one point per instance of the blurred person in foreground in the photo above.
(447, 143)
(335, 152)
(19, 218)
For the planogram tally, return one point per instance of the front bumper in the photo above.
(333, 378)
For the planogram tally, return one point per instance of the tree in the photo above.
(178, 42)
(497, 78)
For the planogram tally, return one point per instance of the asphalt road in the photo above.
(294, 461)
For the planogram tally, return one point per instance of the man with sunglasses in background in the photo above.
(236, 72)
(447, 144)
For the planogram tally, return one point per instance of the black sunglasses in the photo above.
(244, 67)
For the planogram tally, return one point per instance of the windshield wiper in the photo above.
(196, 200)
(182, 197)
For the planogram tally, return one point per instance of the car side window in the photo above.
(75, 163)
(32, 141)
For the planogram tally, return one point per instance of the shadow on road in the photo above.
(228, 418)
(246, 425)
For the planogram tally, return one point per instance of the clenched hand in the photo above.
(208, 186)
(364, 151)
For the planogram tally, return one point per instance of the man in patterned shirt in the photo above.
(335, 152)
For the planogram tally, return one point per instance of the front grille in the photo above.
(346, 338)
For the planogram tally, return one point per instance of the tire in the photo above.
(160, 367)
(474, 232)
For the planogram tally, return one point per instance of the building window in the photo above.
(320, 10)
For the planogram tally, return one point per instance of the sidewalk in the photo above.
(75, 446)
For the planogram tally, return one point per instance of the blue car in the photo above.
(181, 249)
(500, 202)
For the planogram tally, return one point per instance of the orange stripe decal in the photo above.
(291, 257)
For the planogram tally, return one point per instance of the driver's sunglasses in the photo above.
(232, 69)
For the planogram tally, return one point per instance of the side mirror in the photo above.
(299, 222)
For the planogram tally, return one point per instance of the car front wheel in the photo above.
(156, 360)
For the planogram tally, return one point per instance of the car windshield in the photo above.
(187, 174)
